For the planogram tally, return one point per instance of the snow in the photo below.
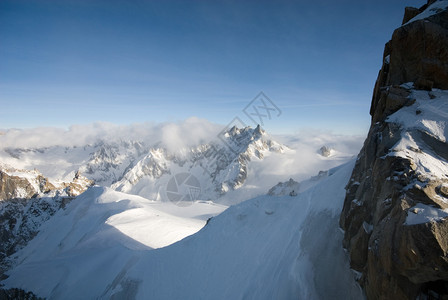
(108, 243)
(431, 119)
(145, 169)
(102, 246)
(368, 228)
(422, 213)
(152, 226)
(30, 176)
(433, 9)
(290, 187)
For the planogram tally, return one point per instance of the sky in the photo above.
(68, 63)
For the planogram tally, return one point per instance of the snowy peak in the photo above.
(134, 167)
(107, 163)
(218, 167)
(239, 140)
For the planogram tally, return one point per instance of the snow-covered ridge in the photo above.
(264, 248)
(424, 132)
(431, 10)
(242, 164)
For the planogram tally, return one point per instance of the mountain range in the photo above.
(128, 219)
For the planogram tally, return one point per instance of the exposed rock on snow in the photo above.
(220, 167)
(289, 187)
(20, 221)
(409, 13)
(398, 182)
(22, 184)
(325, 151)
(419, 48)
(25, 184)
(27, 199)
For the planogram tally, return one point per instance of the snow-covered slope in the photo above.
(264, 248)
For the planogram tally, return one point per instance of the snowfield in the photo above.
(103, 246)
(125, 239)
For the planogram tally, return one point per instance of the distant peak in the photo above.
(259, 130)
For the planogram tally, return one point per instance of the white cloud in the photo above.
(174, 136)
(300, 164)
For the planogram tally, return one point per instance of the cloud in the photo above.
(174, 136)
(300, 163)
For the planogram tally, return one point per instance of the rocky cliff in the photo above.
(28, 199)
(395, 214)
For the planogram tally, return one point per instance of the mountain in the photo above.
(155, 226)
(270, 247)
(396, 207)
(141, 169)
(218, 167)
(28, 199)
(145, 203)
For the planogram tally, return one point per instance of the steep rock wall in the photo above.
(390, 187)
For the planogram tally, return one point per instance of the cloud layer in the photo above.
(173, 136)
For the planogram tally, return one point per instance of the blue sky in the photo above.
(78, 62)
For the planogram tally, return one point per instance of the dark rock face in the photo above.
(27, 200)
(17, 294)
(419, 50)
(20, 220)
(325, 151)
(409, 13)
(397, 260)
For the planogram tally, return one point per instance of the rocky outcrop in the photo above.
(419, 50)
(78, 185)
(325, 151)
(17, 294)
(16, 185)
(394, 215)
(26, 184)
(290, 187)
(20, 220)
(28, 199)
